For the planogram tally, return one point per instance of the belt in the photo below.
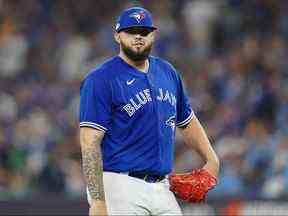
(146, 177)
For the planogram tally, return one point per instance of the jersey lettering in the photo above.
(129, 109)
(142, 99)
(135, 105)
(167, 96)
(160, 96)
(147, 94)
(144, 96)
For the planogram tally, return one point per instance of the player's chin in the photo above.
(138, 49)
(140, 56)
(141, 50)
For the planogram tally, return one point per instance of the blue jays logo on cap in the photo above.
(138, 16)
(133, 17)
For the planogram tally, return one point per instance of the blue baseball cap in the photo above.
(134, 17)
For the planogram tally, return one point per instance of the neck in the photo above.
(140, 65)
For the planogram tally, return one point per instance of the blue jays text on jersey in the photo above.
(138, 112)
(144, 96)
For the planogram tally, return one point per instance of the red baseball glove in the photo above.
(192, 187)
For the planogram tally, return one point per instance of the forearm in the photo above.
(92, 162)
(196, 139)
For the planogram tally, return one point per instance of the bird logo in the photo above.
(171, 122)
(138, 16)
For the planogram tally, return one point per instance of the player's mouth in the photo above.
(138, 44)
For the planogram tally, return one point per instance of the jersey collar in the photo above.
(133, 70)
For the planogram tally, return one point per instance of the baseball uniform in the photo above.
(138, 113)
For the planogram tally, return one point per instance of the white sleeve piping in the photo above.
(93, 125)
(186, 121)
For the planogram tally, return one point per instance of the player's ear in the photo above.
(117, 37)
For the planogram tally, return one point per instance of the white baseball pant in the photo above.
(127, 195)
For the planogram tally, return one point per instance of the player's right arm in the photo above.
(92, 164)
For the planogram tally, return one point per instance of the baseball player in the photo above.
(129, 109)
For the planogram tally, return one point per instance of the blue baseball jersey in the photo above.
(138, 113)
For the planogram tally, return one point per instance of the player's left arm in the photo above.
(195, 138)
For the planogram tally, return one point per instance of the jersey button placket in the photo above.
(153, 91)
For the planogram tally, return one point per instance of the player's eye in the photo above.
(141, 31)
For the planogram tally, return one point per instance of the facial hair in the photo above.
(136, 56)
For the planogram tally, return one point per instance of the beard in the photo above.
(136, 56)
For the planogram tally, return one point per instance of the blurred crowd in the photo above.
(232, 55)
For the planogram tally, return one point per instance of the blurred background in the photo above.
(231, 54)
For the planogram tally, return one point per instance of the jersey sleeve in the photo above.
(95, 103)
(184, 110)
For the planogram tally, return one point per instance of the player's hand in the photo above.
(98, 208)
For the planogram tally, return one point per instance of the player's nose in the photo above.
(138, 36)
